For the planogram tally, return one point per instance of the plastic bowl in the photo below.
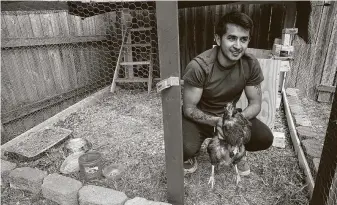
(113, 171)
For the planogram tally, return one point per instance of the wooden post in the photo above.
(168, 39)
(328, 163)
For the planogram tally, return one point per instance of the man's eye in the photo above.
(232, 38)
(244, 40)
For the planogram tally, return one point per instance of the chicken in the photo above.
(227, 150)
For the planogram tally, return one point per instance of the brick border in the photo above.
(303, 136)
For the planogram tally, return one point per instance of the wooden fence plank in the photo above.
(36, 25)
(271, 70)
(63, 21)
(46, 25)
(27, 71)
(37, 72)
(9, 95)
(264, 27)
(12, 25)
(320, 52)
(168, 37)
(330, 64)
(25, 25)
(4, 30)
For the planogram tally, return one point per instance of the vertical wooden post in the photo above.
(168, 39)
(328, 162)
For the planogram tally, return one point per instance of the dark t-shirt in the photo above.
(221, 84)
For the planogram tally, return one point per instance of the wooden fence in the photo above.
(49, 59)
(197, 26)
(314, 68)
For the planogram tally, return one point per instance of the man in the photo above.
(217, 76)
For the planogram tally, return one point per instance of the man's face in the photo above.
(234, 42)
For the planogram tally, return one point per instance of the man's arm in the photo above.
(254, 96)
(192, 96)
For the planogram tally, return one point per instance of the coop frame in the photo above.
(167, 17)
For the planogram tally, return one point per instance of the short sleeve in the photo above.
(194, 74)
(256, 74)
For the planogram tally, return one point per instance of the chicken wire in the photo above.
(57, 53)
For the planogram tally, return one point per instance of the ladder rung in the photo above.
(138, 45)
(136, 63)
(141, 29)
(132, 80)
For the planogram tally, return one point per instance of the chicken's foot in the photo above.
(211, 179)
(238, 178)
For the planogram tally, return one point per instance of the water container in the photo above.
(90, 165)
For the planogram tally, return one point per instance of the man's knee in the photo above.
(190, 150)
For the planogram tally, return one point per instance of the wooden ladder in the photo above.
(129, 63)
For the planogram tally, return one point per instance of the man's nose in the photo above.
(237, 44)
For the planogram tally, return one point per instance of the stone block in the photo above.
(313, 148)
(60, 189)
(292, 91)
(305, 132)
(6, 168)
(302, 120)
(96, 195)
(27, 178)
(279, 140)
(316, 163)
(293, 101)
(142, 201)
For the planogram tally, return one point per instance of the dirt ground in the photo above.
(127, 129)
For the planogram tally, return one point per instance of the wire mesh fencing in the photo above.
(56, 53)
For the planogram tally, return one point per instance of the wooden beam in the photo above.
(168, 39)
(328, 163)
(290, 16)
(43, 104)
(24, 42)
(297, 145)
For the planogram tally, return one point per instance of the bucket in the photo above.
(90, 165)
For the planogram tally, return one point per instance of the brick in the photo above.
(6, 168)
(95, 195)
(305, 132)
(293, 101)
(296, 110)
(60, 189)
(312, 147)
(27, 178)
(316, 163)
(142, 201)
(302, 120)
(292, 91)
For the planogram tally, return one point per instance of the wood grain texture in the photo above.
(168, 39)
(330, 64)
(271, 70)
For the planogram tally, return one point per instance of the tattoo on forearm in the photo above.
(258, 88)
(200, 116)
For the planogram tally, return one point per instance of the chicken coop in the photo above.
(58, 59)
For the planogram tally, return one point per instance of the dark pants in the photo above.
(194, 135)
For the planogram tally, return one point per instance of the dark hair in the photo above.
(234, 17)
